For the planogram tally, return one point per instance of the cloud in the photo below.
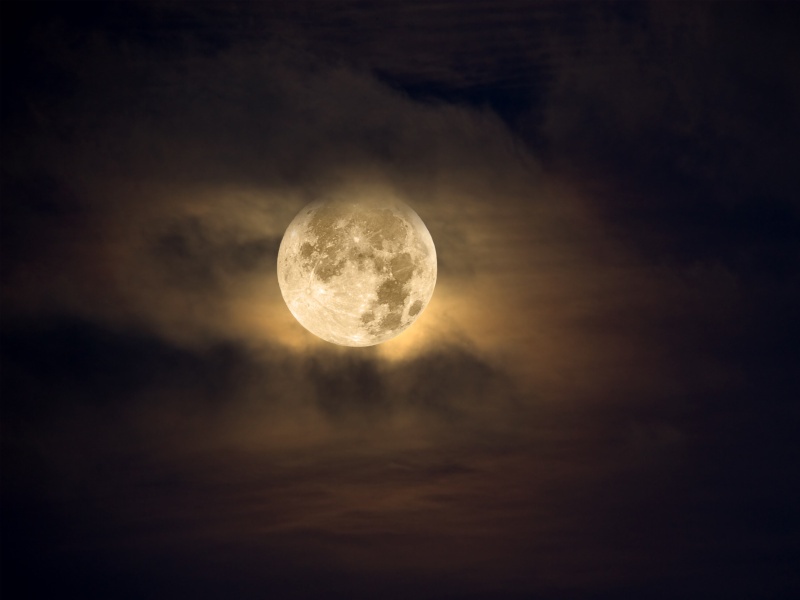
(189, 172)
(338, 440)
(337, 460)
(599, 396)
(194, 256)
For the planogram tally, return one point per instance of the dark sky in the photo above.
(601, 399)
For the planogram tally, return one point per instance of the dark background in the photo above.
(600, 401)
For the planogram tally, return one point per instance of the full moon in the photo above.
(357, 273)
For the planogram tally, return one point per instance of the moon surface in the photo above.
(357, 273)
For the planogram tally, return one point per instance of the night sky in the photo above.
(602, 399)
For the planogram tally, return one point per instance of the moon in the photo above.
(357, 273)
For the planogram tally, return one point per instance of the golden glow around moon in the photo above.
(356, 273)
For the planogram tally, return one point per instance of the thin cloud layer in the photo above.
(599, 399)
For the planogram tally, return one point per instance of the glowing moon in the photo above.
(355, 273)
